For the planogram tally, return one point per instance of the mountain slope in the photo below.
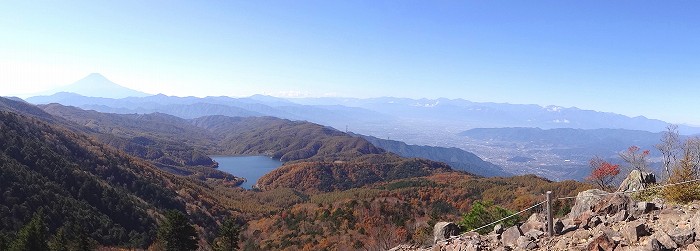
(342, 175)
(75, 180)
(442, 111)
(284, 139)
(457, 158)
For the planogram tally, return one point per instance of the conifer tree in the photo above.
(32, 237)
(228, 236)
(176, 233)
(59, 242)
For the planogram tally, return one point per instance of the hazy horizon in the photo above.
(621, 57)
(57, 89)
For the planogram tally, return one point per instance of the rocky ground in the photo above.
(598, 221)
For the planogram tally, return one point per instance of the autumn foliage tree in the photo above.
(636, 158)
(685, 170)
(603, 173)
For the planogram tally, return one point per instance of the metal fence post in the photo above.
(550, 221)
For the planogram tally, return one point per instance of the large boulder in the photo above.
(665, 240)
(636, 181)
(585, 201)
(444, 230)
(461, 243)
(614, 204)
(526, 243)
(643, 207)
(682, 237)
(510, 236)
(601, 242)
(633, 230)
(534, 222)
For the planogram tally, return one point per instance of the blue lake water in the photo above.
(249, 167)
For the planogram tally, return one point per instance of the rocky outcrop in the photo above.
(636, 181)
(585, 201)
(444, 230)
(510, 237)
(606, 222)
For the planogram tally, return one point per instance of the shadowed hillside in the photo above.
(78, 182)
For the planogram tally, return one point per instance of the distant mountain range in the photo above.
(485, 114)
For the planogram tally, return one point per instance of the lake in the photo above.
(249, 167)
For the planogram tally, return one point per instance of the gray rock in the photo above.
(558, 226)
(534, 234)
(682, 237)
(404, 247)
(561, 245)
(636, 181)
(526, 243)
(569, 228)
(613, 204)
(593, 222)
(693, 247)
(654, 245)
(645, 207)
(619, 216)
(535, 221)
(498, 229)
(601, 242)
(444, 230)
(581, 234)
(583, 219)
(585, 201)
(467, 242)
(492, 238)
(634, 230)
(510, 236)
(665, 240)
(695, 224)
(659, 203)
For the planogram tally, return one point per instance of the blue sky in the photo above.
(629, 57)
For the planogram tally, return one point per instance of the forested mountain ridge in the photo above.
(322, 176)
(79, 183)
(349, 161)
(187, 141)
(284, 139)
(162, 138)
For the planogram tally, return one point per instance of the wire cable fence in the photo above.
(549, 208)
(508, 217)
